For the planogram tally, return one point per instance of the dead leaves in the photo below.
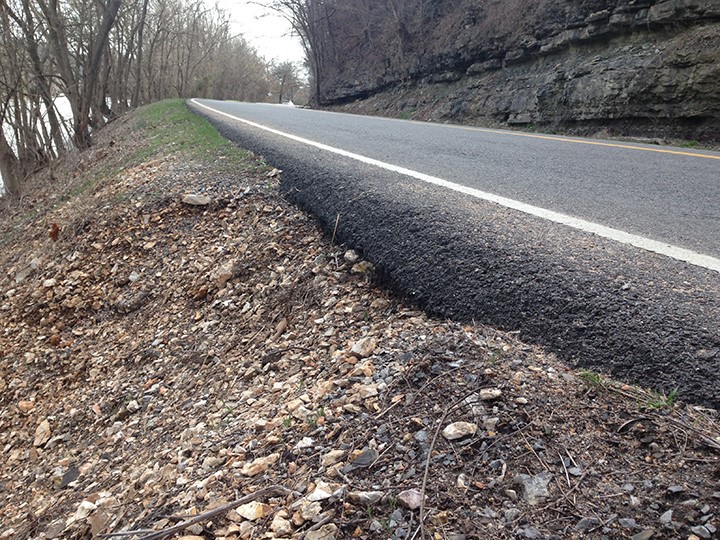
(54, 232)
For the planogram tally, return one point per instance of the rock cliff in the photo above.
(637, 67)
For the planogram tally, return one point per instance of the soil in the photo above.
(161, 359)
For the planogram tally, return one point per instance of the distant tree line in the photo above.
(107, 56)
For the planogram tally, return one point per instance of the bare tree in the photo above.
(287, 79)
(312, 20)
(104, 56)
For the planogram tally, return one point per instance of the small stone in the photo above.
(48, 283)
(72, 474)
(647, 534)
(310, 510)
(260, 465)
(535, 488)
(133, 406)
(707, 354)
(223, 274)
(254, 510)
(281, 526)
(587, 523)
(489, 513)
(332, 457)
(532, 533)
(365, 497)
(511, 514)
(463, 482)
(676, 490)
(490, 424)
(375, 526)
(702, 531)
(363, 267)
(26, 406)
(195, 199)
(410, 499)
(84, 510)
(362, 460)
(628, 523)
(490, 394)
(363, 347)
(351, 256)
(42, 433)
(326, 532)
(305, 442)
(458, 430)
(325, 490)
(666, 518)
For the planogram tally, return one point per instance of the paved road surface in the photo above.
(662, 193)
(599, 303)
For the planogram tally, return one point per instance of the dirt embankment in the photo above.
(166, 358)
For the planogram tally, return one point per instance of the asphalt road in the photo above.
(597, 302)
(666, 194)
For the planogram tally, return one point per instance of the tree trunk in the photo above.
(9, 168)
(138, 60)
(90, 86)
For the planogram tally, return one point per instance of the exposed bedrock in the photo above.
(638, 67)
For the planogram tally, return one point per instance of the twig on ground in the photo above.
(337, 222)
(126, 533)
(327, 519)
(429, 457)
(567, 475)
(205, 516)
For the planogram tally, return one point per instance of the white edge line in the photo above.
(661, 248)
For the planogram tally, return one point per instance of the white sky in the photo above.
(268, 32)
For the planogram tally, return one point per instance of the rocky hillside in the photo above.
(184, 355)
(640, 67)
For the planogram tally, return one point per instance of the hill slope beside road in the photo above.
(167, 356)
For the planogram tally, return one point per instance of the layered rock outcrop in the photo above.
(640, 67)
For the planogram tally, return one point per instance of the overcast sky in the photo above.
(269, 33)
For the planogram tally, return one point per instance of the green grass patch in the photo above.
(660, 400)
(160, 129)
(689, 144)
(591, 379)
(170, 127)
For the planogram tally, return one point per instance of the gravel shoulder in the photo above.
(163, 357)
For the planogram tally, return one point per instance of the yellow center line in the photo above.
(581, 141)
